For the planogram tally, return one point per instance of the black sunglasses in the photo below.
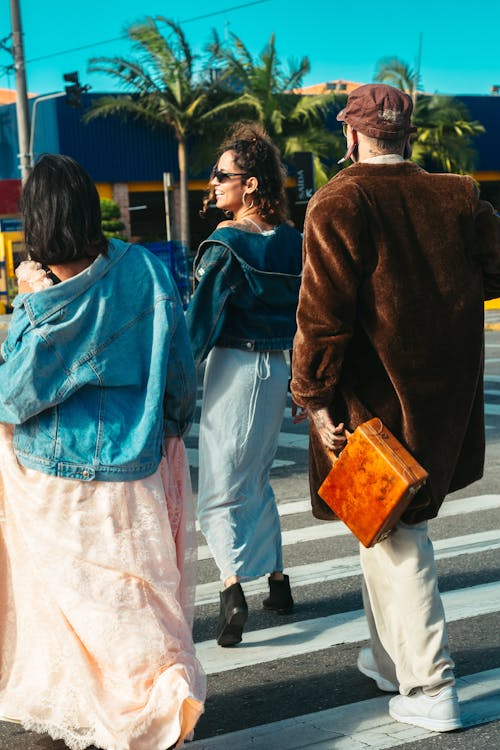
(221, 176)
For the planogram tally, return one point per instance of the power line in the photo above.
(124, 36)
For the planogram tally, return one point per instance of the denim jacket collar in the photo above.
(247, 247)
(41, 305)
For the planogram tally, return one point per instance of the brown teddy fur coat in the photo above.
(397, 263)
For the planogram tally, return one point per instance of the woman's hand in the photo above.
(298, 413)
(333, 436)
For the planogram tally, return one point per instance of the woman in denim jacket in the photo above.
(242, 316)
(96, 521)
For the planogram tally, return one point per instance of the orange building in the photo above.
(329, 87)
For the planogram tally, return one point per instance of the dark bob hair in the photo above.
(257, 156)
(61, 212)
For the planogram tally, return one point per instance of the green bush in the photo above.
(112, 225)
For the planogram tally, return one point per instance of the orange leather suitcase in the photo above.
(372, 482)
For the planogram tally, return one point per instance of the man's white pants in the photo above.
(404, 611)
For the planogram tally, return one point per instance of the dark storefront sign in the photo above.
(304, 166)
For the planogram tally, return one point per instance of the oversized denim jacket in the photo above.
(98, 370)
(247, 290)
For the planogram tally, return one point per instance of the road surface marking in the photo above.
(307, 636)
(360, 726)
(346, 567)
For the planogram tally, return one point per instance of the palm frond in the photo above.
(128, 73)
(396, 73)
(296, 73)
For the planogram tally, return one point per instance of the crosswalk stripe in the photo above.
(472, 504)
(307, 636)
(492, 410)
(346, 567)
(450, 507)
(360, 726)
(331, 530)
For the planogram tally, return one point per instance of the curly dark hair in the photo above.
(61, 212)
(256, 155)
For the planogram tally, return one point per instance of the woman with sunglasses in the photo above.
(242, 319)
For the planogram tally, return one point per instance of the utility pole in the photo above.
(23, 120)
(417, 71)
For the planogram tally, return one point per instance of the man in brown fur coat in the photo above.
(397, 264)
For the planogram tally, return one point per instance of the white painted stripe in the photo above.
(492, 410)
(361, 725)
(345, 567)
(334, 529)
(491, 392)
(449, 507)
(490, 360)
(473, 504)
(493, 378)
(492, 346)
(308, 636)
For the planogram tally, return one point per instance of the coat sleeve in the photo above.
(208, 307)
(487, 247)
(332, 270)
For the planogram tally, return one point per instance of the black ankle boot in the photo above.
(280, 597)
(233, 615)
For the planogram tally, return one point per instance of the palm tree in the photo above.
(396, 72)
(163, 87)
(445, 133)
(294, 121)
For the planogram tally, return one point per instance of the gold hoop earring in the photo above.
(251, 205)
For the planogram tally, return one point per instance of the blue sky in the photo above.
(345, 40)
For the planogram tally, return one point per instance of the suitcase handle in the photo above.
(383, 432)
(331, 454)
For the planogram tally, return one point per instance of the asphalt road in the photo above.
(293, 682)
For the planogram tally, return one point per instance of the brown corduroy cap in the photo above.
(379, 111)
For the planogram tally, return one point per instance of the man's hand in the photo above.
(298, 413)
(333, 436)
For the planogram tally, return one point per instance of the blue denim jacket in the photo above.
(98, 370)
(247, 290)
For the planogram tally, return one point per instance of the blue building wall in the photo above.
(486, 110)
(114, 150)
(109, 148)
(9, 162)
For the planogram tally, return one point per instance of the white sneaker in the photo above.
(439, 713)
(368, 667)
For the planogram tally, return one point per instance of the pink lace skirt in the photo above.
(96, 606)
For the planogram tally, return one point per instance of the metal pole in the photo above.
(23, 120)
(167, 184)
(417, 70)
